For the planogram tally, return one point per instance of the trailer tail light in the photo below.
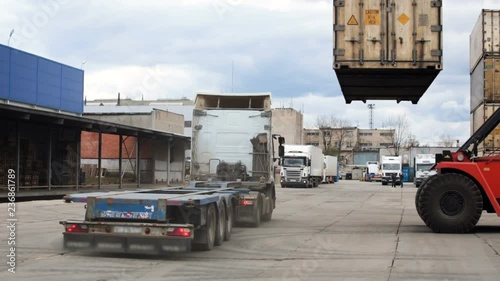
(75, 228)
(179, 231)
(246, 202)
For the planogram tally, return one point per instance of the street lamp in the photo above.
(10, 36)
(83, 63)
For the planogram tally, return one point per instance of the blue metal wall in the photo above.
(35, 80)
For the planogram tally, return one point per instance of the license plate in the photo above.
(127, 229)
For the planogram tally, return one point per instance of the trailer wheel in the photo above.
(419, 191)
(256, 213)
(206, 235)
(221, 225)
(451, 203)
(229, 224)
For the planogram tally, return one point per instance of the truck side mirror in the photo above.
(281, 140)
(281, 151)
(309, 162)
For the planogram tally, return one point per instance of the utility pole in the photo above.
(10, 36)
(371, 106)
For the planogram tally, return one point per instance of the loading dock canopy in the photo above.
(8, 111)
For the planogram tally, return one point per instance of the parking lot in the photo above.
(344, 231)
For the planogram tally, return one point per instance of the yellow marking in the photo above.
(353, 21)
(403, 19)
(372, 17)
(486, 169)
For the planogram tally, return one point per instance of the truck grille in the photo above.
(292, 175)
(390, 174)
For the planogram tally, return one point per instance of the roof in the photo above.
(86, 124)
(186, 110)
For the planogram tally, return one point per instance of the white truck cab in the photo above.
(391, 165)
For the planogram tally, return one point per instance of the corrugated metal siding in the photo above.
(30, 79)
(361, 157)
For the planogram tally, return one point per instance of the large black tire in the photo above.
(206, 235)
(419, 191)
(267, 216)
(221, 225)
(256, 213)
(229, 224)
(450, 203)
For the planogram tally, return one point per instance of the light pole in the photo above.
(83, 63)
(10, 36)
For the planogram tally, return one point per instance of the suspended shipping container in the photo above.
(485, 37)
(387, 50)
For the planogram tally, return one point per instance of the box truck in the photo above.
(423, 165)
(302, 166)
(330, 170)
(391, 165)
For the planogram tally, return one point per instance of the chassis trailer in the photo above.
(162, 220)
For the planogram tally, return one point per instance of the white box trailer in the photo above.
(302, 166)
(330, 170)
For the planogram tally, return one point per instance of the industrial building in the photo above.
(41, 113)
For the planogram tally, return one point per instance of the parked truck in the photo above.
(372, 171)
(330, 169)
(232, 170)
(302, 166)
(423, 165)
(391, 166)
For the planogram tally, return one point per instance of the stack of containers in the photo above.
(485, 75)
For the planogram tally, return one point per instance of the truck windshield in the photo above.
(390, 166)
(424, 167)
(294, 162)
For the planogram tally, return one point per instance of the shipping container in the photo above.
(485, 37)
(387, 50)
(478, 117)
(485, 82)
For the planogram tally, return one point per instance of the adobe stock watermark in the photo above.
(223, 7)
(302, 269)
(12, 220)
(30, 26)
(151, 81)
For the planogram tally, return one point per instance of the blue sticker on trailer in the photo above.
(127, 209)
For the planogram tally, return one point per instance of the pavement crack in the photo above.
(488, 243)
(397, 245)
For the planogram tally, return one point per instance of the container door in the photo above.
(415, 31)
(360, 32)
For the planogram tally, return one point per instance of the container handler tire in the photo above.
(206, 234)
(220, 233)
(419, 191)
(229, 224)
(451, 203)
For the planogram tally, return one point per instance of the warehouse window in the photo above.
(187, 124)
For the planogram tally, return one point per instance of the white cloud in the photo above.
(282, 46)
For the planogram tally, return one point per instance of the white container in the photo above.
(478, 117)
(485, 37)
(387, 50)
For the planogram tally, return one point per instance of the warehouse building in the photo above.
(41, 116)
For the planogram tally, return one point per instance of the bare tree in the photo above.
(446, 141)
(335, 134)
(401, 135)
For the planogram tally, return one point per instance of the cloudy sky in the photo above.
(172, 49)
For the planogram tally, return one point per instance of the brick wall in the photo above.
(110, 147)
